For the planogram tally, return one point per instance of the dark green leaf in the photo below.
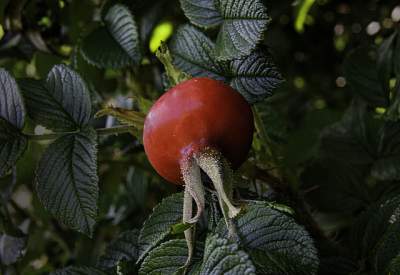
(124, 248)
(167, 258)
(60, 103)
(11, 248)
(223, 256)
(394, 266)
(160, 222)
(370, 225)
(202, 13)
(388, 249)
(353, 139)
(122, 27)
(243, 23)
(116, 45)
(101, 50)
(278, 236)
(361, 72)
(78, 270)
(67, 180)
(385, 61)
(192, 53)
(254, 76)
(11, 106)
(387, 166)
(335, 186)
(12, 146)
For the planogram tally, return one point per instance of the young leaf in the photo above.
(122, 27)
(361, 72)
(61, 103)
(254, 76)
(66, 180)
(223, 256)
(160, 222)
(167, 258)
(11, 106)
(12, 119)
(243, 24)
(283, 242)
(124, 248)
(117, 44)
(78, 270)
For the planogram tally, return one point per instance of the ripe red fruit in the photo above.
(194, 115)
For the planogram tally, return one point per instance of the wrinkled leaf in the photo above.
(167, 258)
(62, 102)
(254, 76)
(223, 256)
(160, 222)
(277, 236)
(67, 182)
(123, 248)
(242, 22)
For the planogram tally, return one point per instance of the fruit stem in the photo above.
(175, 75)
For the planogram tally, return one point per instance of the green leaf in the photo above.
(243, 24)
(108, 55)
(12, 248)
(336, 186)
(223, 256)
(61, 103)
(116, 45)
(385, 61)
(369, 227)
(78, 270)
(160, 222)
(387, 166)
(66, 180)
(254, 76)
(122, 27)
(124, 248)
(277, 235)
(12, 146)
(11, 105)
(202, 13)
(361, 72)
(12, 119)
(353, 139)
(394, 266)
(388, 249)
(167, 258)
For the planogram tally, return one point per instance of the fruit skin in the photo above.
(194, 115)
